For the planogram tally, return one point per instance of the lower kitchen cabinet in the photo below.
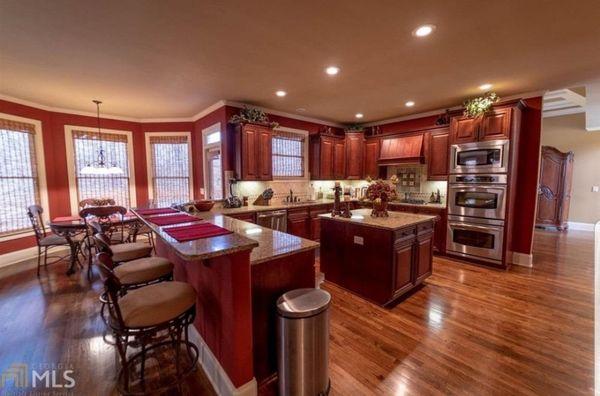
(315, 221)
(298, 222)
(439, 238)
(246, 216)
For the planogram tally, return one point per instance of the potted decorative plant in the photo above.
(248, 114)
(477, 107)
(380, 193)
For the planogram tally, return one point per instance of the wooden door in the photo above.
(437, 155)
(249, 151)
(371, 169)
(339, 159)
(496, 125)
(554, 188)
(264, 147)
(464, 130)
(326, 159)
(354, 155)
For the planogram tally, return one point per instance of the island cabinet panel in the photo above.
(437, 154)
(378, 264)
(253, 151)
(298, 222)
(355, 145)
(371, 169)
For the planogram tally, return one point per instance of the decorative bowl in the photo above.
(204, 205)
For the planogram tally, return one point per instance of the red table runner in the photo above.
(174, 219)
(155, 211)
(196, 231)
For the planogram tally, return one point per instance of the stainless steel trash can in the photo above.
(303, 342)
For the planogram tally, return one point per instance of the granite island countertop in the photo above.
(395, 220)
(266, 244)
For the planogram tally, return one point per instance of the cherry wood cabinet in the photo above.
(371, 169)
(253, 151)
(247, 216)
(355, 145)
(315, 221)
(378, 264)
(554, 190)
(298, 222)
(440, 227)
(436, 154)
(494, 125)
(326, 157)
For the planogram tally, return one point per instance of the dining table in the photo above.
(70, 227)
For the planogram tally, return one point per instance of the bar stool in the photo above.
(151, 318)
(135, 273)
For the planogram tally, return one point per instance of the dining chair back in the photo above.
(84, 203)
(35, 216)
(110, 218)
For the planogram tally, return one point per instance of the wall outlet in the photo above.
(359, 240)
(595, 188)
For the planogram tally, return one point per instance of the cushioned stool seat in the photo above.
(143, 270)
(156, 304)
(130, 251)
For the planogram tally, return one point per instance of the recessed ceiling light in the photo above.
(410, 103)
(424, 30)
(332, 70)
(485, 87)
(359, 115)
(281, 94)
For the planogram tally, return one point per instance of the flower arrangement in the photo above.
(380, 192)
(477, 107)
(248, 114)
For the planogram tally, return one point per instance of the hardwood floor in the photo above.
(470, 330)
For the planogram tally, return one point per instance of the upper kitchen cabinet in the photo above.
(492, 126)
(253, 151)
(327, 157)
(436, 154)
(371, 169)
(355, 145)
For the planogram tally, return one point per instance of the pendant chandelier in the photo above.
(101, 166)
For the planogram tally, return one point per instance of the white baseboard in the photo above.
(574, 225)
(215, 372)
(522, 259)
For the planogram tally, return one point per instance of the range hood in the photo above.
(401, 150)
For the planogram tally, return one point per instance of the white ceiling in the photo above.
(157, 59)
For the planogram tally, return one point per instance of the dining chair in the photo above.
(137, 317)
(46, 241)
(84, 203)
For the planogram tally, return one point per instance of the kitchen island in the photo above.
(238, 278)
(378, 258)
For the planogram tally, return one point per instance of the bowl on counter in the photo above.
(204, 205)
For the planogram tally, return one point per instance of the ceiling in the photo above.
(158, 59)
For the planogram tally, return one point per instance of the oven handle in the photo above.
(479, 186)
(464, 226)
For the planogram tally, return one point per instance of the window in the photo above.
(213, 169)
(83, 145)
(169, 167)
(289, 150)
(19, 180)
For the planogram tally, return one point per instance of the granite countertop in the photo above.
(266, 244)
(274, 206)
(395, 220)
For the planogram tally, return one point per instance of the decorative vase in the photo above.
(379, 209)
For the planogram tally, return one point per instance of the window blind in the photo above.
(86, 146)
(288, 154)
(170, 169)
(19, 184)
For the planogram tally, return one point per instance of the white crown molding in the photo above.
(209, 110)
(441, 111)
(284, 114)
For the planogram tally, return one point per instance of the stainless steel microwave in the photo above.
(479, 157)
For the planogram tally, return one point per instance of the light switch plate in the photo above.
(595, 188)
(359, 240)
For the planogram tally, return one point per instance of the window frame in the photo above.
(207, 146)
(38, 142)
(305, 134)
(150, 165)
(74, 200)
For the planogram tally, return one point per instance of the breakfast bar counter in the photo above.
(378, 258)
(238, 278)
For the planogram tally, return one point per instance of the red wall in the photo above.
(53, 129)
